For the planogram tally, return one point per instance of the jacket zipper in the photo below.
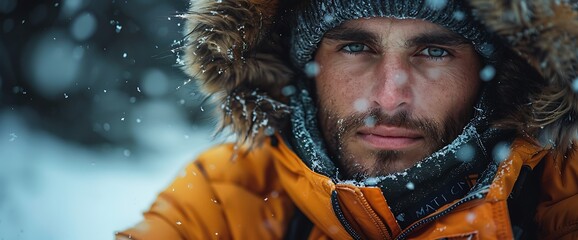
(341, 217)
(471, 197)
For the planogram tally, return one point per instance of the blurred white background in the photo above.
(51, 189)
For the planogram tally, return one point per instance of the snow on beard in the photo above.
(342, 129)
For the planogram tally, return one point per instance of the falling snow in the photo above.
(501, 152)
(466, 153)
(471, 217)
(328, 17)
(288, 90)
(575, 85)
(84, 26)
(436, 4)
(487, 73)
(312, 69)
(459, 15)
(371, 181)
(370, 121)
(410, 186)
(12, 137)
(400, 78)
(361, 105)
(269, 131)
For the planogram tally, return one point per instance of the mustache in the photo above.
(374, 117)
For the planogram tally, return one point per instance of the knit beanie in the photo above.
(318, 16)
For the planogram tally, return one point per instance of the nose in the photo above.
(392, 84)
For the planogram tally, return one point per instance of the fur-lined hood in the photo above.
(234, 50)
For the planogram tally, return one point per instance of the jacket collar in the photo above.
(365, 208)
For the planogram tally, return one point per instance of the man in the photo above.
(389, 119)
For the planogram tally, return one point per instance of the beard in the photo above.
(339, 133)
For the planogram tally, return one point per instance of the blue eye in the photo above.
(355, 48)
(434, 52)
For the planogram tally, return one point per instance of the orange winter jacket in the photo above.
(255, 197)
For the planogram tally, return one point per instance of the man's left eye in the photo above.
(434, 52)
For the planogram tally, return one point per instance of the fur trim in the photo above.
(232, 53)
(544, 33)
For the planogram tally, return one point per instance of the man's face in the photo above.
(391, 92)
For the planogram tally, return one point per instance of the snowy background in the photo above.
(95, 115)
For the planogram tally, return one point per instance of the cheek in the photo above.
(467, 85)
(447, 93)
(337, 91)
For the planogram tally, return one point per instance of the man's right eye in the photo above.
(355, 48)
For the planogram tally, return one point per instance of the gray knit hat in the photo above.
(319, 16)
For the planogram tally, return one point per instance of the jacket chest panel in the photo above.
(371, 218)
(483, 220)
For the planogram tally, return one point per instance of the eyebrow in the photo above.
(437, 38)
(342, 33)
(443, 38)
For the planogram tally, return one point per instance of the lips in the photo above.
(389, 138)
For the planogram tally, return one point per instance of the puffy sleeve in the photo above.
(557, 213)
(187, 209)
(216, 197)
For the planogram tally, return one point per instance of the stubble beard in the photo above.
(338, 131)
